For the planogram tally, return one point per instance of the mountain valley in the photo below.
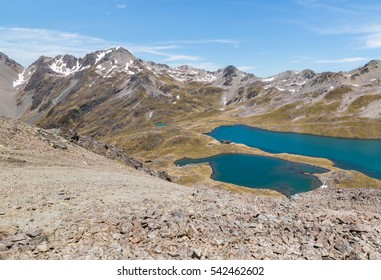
(159, 114)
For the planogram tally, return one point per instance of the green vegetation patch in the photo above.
(338, 93)
(362, 101)
(319, 108)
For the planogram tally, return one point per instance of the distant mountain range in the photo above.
(110, 91)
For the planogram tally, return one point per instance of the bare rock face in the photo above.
(10, 62)
(9, 71)
(109, 151)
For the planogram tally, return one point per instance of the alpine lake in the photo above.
(285, 176)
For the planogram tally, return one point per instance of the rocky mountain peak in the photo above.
(4, 59)
(123, 51)
(308, 74)
(328, 77)
(375, 63)
(61, 64)
(370, 66)
(89, 59)
(42, 60)
(9, 72)
(185, 68)
(152, 64)
(70, 60)
(119, 54)
(287, 75)
(230, 71)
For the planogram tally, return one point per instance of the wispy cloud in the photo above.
(304, 59)
(152, 49)
(246, 68)
(359, 22)
(349, 29)
(373, 40)
(342, 60)
(25, 45)
(121, 6)
(174, 57)
(328, 7)
(191, 60)
(161, 51)
(234, 43)
(367, 36)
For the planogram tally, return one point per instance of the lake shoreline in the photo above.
(334, 177)
(286, 169)
(351, 154)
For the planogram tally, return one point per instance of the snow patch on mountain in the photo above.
(20, 80)
(224, 101)
(24, 77)
(128, 64)
(113, 67)
(101, 55)
(60, 67)
(268, 79)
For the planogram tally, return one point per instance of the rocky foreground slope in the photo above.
(69, 203)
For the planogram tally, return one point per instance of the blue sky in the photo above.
(261, 37)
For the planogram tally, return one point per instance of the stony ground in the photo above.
(60, 201)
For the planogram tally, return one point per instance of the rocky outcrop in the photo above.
(9, 76)
(10, 62)
(110, 151)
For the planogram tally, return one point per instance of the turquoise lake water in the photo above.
(161, 124)
(284, 176)
(352, 154)
(261, 172)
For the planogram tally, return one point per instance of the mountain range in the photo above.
(73, 88)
